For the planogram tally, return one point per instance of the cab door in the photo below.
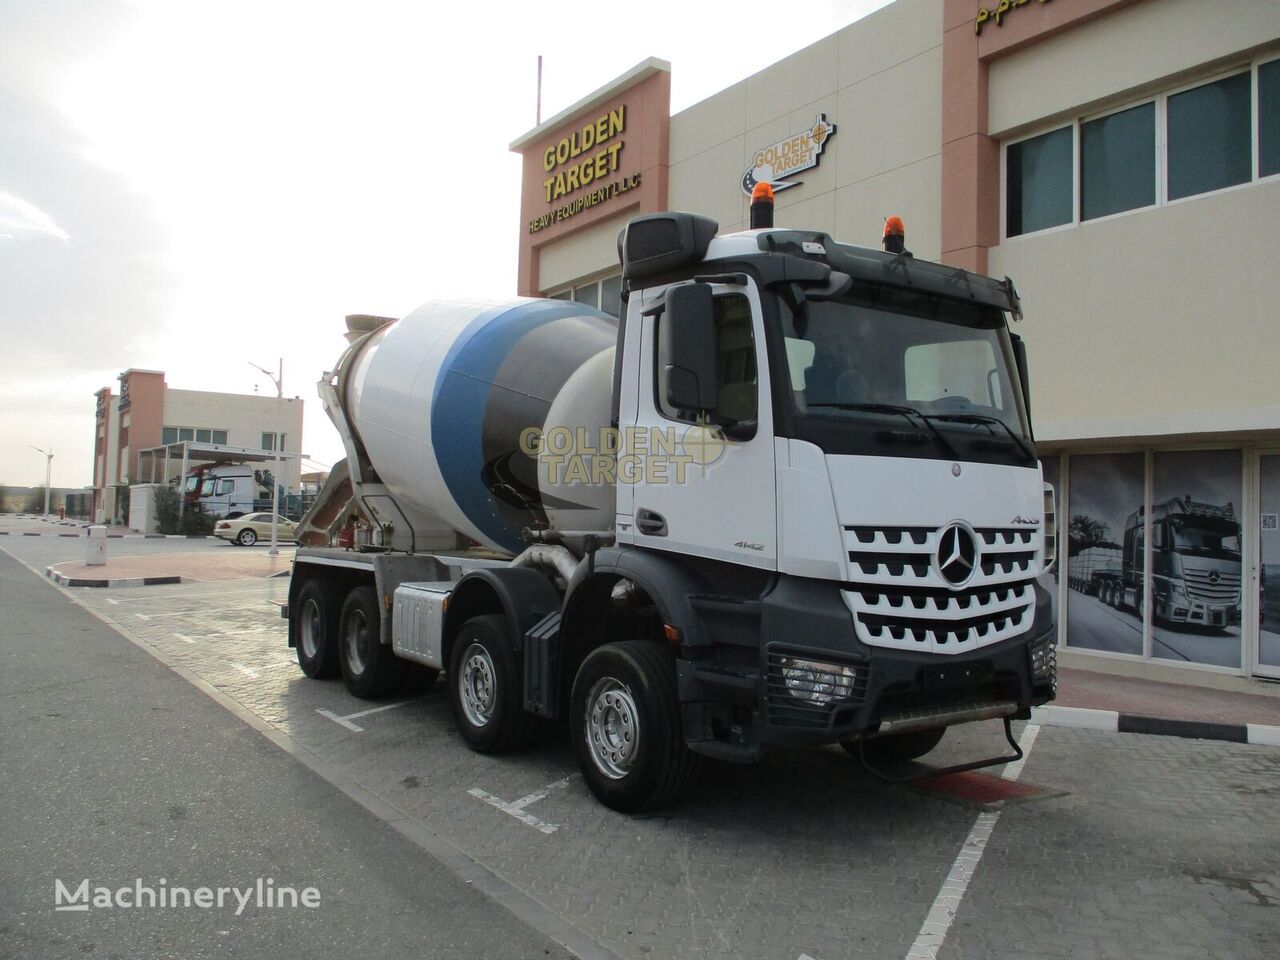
(707, 488)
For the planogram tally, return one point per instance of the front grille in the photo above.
(900, 600)
(1201, 586)
(784, 710)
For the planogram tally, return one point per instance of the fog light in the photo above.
(816, 681)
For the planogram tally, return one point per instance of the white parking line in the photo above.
(142, 616)
(933, 933)
(184, 638)
(246, 670)
(355, 727)
(516, 807)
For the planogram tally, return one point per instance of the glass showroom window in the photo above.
(1210, 141)
(1039, 182)
(1269, 119)
(1118, 162)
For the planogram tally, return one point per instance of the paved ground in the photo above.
(115, 768)
(1178, 701)
(1145, 846)
(200, 566)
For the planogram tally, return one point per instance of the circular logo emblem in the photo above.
(1214, 576)
(955, 469)
(703, 446)
(957, 555)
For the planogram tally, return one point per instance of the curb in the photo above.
(111, 536)
(63, 580)
(1083, 718)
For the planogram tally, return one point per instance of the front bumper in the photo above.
(732, 712)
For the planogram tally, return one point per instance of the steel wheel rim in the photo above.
(310, 632)
(357, 637)
(477, 686)
(612, 728)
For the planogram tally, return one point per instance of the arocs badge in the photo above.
(789, 156)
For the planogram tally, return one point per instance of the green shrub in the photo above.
(166, 504)
(197, 523)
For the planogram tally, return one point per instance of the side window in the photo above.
(226, 487)
(737, 388)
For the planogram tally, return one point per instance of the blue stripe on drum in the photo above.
(462, 395)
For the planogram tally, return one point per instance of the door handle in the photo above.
(651, 524)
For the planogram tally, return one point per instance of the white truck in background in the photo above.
(790, 498)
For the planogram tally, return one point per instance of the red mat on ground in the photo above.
(979, 788)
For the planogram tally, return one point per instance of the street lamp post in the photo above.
(278, 380)
(48, 473)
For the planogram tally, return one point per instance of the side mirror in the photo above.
(687, 342)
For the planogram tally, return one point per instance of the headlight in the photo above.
(1177, 590)
(816, 681)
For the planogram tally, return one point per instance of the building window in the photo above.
(1039, 182)
(203, 436)
(603, 294)
(588, 294)
(197, 434)
(1209, 137)
(219, 436)
(1125, 164)
(169, 435)
(1118, 162)
(1269, 119)
(269, 441)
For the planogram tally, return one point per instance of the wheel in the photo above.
(897, 748)
(246, 537)
(369, 667)
(625, 723)
(486, 687)
(315, 628)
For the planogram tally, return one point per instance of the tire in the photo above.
(315, 628)
(369, 668)
(247, 537)
(625, 723)
(897, 748)
(486, 687)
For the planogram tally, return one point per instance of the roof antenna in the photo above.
(538, 122)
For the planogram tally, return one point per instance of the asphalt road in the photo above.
(1138, 846)
(115, 770)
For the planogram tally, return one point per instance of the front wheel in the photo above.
(625, 723)
(897, 748)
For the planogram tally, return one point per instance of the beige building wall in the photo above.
(1172, 332)
(587, 253)
(880, 81)
(244, 417)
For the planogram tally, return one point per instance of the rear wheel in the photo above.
(486, 687)
(247, 537)
(315, 628)
(896, 748)
(625, 723)
(369, 667)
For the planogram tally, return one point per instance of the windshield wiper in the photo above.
(908, 412)
(981, 418)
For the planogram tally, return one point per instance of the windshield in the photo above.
(892, 372)
(1220, 538)
(206, 488)
(193, 481)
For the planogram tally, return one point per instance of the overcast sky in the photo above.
(190, 186)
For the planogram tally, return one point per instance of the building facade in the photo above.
(147, 413)
(1120, 159)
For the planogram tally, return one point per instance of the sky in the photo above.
(192, 187)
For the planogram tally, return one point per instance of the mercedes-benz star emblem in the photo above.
(957, 555)
(1214, 576)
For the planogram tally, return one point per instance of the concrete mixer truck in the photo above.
(791, 498)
